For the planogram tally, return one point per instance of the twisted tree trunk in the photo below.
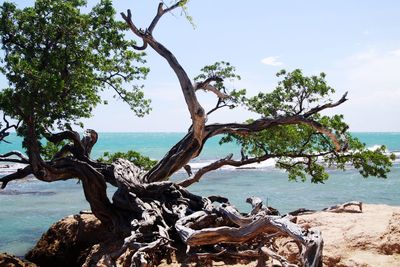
(149, 216)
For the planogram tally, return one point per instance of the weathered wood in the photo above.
(342, 207)
(249, 228)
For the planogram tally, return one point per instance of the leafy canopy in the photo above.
(135, 157)
(300, 149)
(58, 59)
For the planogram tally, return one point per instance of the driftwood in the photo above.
(341, 208)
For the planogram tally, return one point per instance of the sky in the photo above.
(356, 43)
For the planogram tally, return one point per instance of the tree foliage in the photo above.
(58, 59)
(133, 156)
(300, 149)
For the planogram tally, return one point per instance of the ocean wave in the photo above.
(268, 164)
(374, 147)
(10, 168)
(397, 159)
(261, 165)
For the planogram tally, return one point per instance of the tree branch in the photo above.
(142, 47)
(184, 151)
(160, 12)
(22, 157)
(206, 86)
(213, 166)
(246, 161)
(220, 104)
(4, 132)
(326, 106)
(78, 149)
(196, 110)
(265, 123)
(19, 174)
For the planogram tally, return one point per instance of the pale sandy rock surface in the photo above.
(370, 238)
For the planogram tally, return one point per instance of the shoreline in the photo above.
(370, 238)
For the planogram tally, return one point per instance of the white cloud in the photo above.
(272, 61)
(373, 81)
(396, 52)
(363, 56)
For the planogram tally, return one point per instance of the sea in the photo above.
(29, 207)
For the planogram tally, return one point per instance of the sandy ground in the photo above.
(370, 238)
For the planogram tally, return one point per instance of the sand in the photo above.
(370, 238)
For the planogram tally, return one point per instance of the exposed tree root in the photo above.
(164, 216)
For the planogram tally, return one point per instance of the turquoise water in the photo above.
(28, 208)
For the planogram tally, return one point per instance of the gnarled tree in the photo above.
(57, 60)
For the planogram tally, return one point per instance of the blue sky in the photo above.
(356, 43)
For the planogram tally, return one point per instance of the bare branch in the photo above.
(213, 166)
(143, 47)
(246, 161)
(321, 129)
(117, 91)
(265, 123)
(342, 207)
(197, 113)
(219, 106)
(160, 12)
(4, 132)
(311, 241)
(326, 106)
(206, 86)
(128, 20)
(22, 157)
(270, 253)
(214, 90)
(19, 174)
(183, 151)
(71, 136)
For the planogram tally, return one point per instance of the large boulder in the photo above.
(68, 241)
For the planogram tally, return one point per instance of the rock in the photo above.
(68, 241)
(7, 260)
(370, 238)
(390, 243)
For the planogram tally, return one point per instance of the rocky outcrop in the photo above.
(7, 260)
(68, 241)
(390, 241)
(370, 238)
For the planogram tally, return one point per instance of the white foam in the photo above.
(270, 163)
(261, 165)
(10, 167)
(397, 154)
(374, 147)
